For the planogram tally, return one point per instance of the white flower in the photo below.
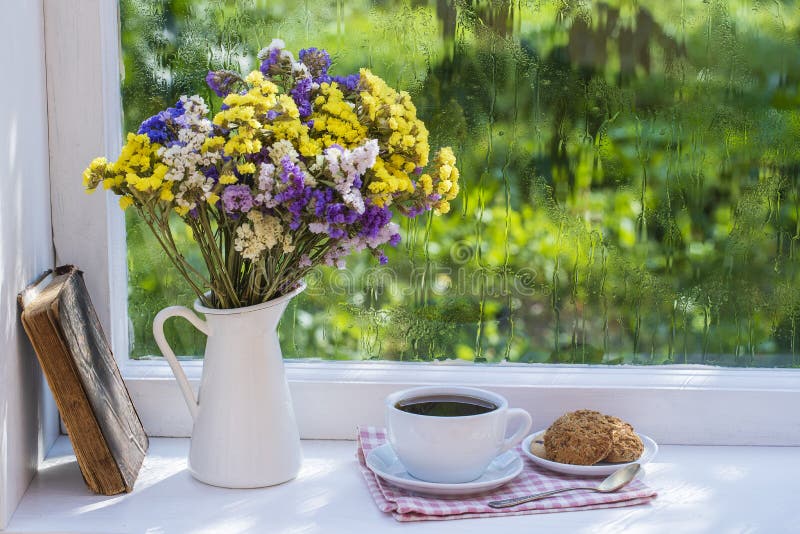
(354, 200)
(287, 243)
(275, 43)
(318, 227)
(345, 166)
(300, 70)
(384, 235)
(259, 233)
(363, 157)
(280, 149)
(184, 157)
(266, 177)
(336, 258)
(192, 189)
(287, 56)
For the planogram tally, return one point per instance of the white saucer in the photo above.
(600, 469)
(384, 463)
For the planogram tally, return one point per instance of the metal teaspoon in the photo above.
(612, 483)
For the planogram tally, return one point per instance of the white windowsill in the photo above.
(693, 405)
(701, 490)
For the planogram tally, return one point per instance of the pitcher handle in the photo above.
(166, 350)
(524, 425)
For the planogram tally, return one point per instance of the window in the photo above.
(630, 184)
(690, 404)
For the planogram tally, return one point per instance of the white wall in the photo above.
(26, 247)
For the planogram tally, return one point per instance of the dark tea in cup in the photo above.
(446, 405)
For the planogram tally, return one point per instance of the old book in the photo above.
(106, 433)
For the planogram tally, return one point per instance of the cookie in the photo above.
(583, 437)
(626, 445)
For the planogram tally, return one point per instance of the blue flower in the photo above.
(318, 62)
(349, 82)
(163, 127)
(272, 60)
(301, 94)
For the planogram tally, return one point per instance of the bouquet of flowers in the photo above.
(297, 168)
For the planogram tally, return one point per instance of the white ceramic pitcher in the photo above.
(244, 434)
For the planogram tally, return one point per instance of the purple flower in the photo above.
(297, 195)
(163, 127)
(394, 240)
(349, 82)
(318, 62)
(305, 261)
(211, 172)
(414, 211)
(301, 93)
(222, 81)
(339, 217)
(373, 219)
(237, 198)
(272, 60)
(321, 199)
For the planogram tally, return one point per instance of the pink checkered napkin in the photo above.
(407, 506)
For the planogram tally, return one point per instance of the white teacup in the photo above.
(452, 449)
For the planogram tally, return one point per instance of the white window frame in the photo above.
(674, 404)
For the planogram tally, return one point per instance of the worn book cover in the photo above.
(106, 433)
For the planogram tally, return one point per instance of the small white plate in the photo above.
(384, 462)
(600, 469)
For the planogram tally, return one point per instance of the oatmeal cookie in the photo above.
(580, 438)
(626, 445)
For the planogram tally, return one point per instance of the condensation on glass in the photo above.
(631, 177)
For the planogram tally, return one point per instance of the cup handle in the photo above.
(166, 350)
(525, 425)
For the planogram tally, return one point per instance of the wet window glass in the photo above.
(630, 177)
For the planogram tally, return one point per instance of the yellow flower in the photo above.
(260, 84)
(391, 117)
(427, 184)
(310, 147)
(335, 119)
(125, 201)
(442, 207)
(226, 179)
(446, 156)
(246, 168)
(212, 144)
(255, 77)
(446, 179)
(159, 171)
(95, 174)
(166, 193)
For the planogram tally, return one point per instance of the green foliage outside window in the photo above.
(630, 177)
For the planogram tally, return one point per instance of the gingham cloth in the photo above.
(407, 506)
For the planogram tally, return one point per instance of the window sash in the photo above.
(674, 404)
